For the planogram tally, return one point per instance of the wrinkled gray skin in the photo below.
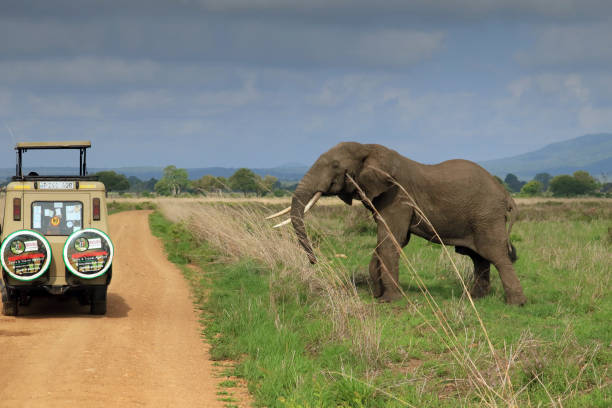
(464, 203)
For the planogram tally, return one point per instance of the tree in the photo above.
(162, 187)
(532, 188)
(136, 184)
(544, 179)
(245, 180)
(207, 183)
(173, 181)
(113, 181)
(588, 182)
(502, 182)
(224, 182)
(565, 186)
(513, 182)
(270, 184)
(150, 185)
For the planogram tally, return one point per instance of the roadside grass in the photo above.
(297, 345)
(114, 206)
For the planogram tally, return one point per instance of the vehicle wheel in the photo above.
(9, 308)
(98, 300)
(98, 308)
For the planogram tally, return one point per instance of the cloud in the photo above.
(415, 9)
(568, 88)
(108, 43)
(596, 119)
(571, 46)
(55, 107)
(79, 71)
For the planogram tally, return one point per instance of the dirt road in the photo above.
(146, 351)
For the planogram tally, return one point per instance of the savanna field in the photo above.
(312, 336)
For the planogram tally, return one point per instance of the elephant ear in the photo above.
(374, 181)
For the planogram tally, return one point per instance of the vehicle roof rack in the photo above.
(81, 145)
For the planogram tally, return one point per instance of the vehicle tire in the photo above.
(10, 308)
(98, 300)
(98, 308)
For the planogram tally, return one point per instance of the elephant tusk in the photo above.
(312, 202)
(278, 214)
(287, 221)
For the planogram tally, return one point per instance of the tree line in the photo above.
(564, 185)
(175, 181)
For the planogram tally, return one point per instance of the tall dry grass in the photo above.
(241, 231)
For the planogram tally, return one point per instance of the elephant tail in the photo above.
(511, 216)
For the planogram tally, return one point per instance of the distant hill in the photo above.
(592, 153)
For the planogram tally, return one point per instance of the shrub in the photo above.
(567, 186)
(532, 188)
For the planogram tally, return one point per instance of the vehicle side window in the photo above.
(57, 217)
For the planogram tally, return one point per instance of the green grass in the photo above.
(560, 342)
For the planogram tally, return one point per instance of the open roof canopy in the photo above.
(75, 144)
(23, 147)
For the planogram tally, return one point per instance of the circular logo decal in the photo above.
(55, 221)
(17, 247)
(25, 255)
(81, 244)
(88, 253)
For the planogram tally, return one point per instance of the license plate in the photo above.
(56, 185)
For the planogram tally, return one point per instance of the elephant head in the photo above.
(327, 177)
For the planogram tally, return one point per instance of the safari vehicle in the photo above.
(55, 235)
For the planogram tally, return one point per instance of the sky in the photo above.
(262, 83)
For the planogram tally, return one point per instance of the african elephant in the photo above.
(467, 207)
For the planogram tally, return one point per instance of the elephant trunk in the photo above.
(303, 193)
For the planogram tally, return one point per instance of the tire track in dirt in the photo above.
(147, 350)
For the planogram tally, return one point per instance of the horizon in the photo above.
(257, 84)
(285, 165)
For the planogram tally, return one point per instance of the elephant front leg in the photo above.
(391, 236)
(389, 272)
(377, 289)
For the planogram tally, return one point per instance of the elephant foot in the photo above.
(480, 289)
(390, 296)
(517, 298)
(377, 290)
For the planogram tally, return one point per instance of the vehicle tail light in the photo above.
(16, 209)
(96, 209)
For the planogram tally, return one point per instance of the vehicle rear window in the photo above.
(57, 217)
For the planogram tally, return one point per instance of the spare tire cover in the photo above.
(88, 253)
(25, 255)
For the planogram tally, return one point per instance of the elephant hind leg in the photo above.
(482, 276)
(497, 253)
